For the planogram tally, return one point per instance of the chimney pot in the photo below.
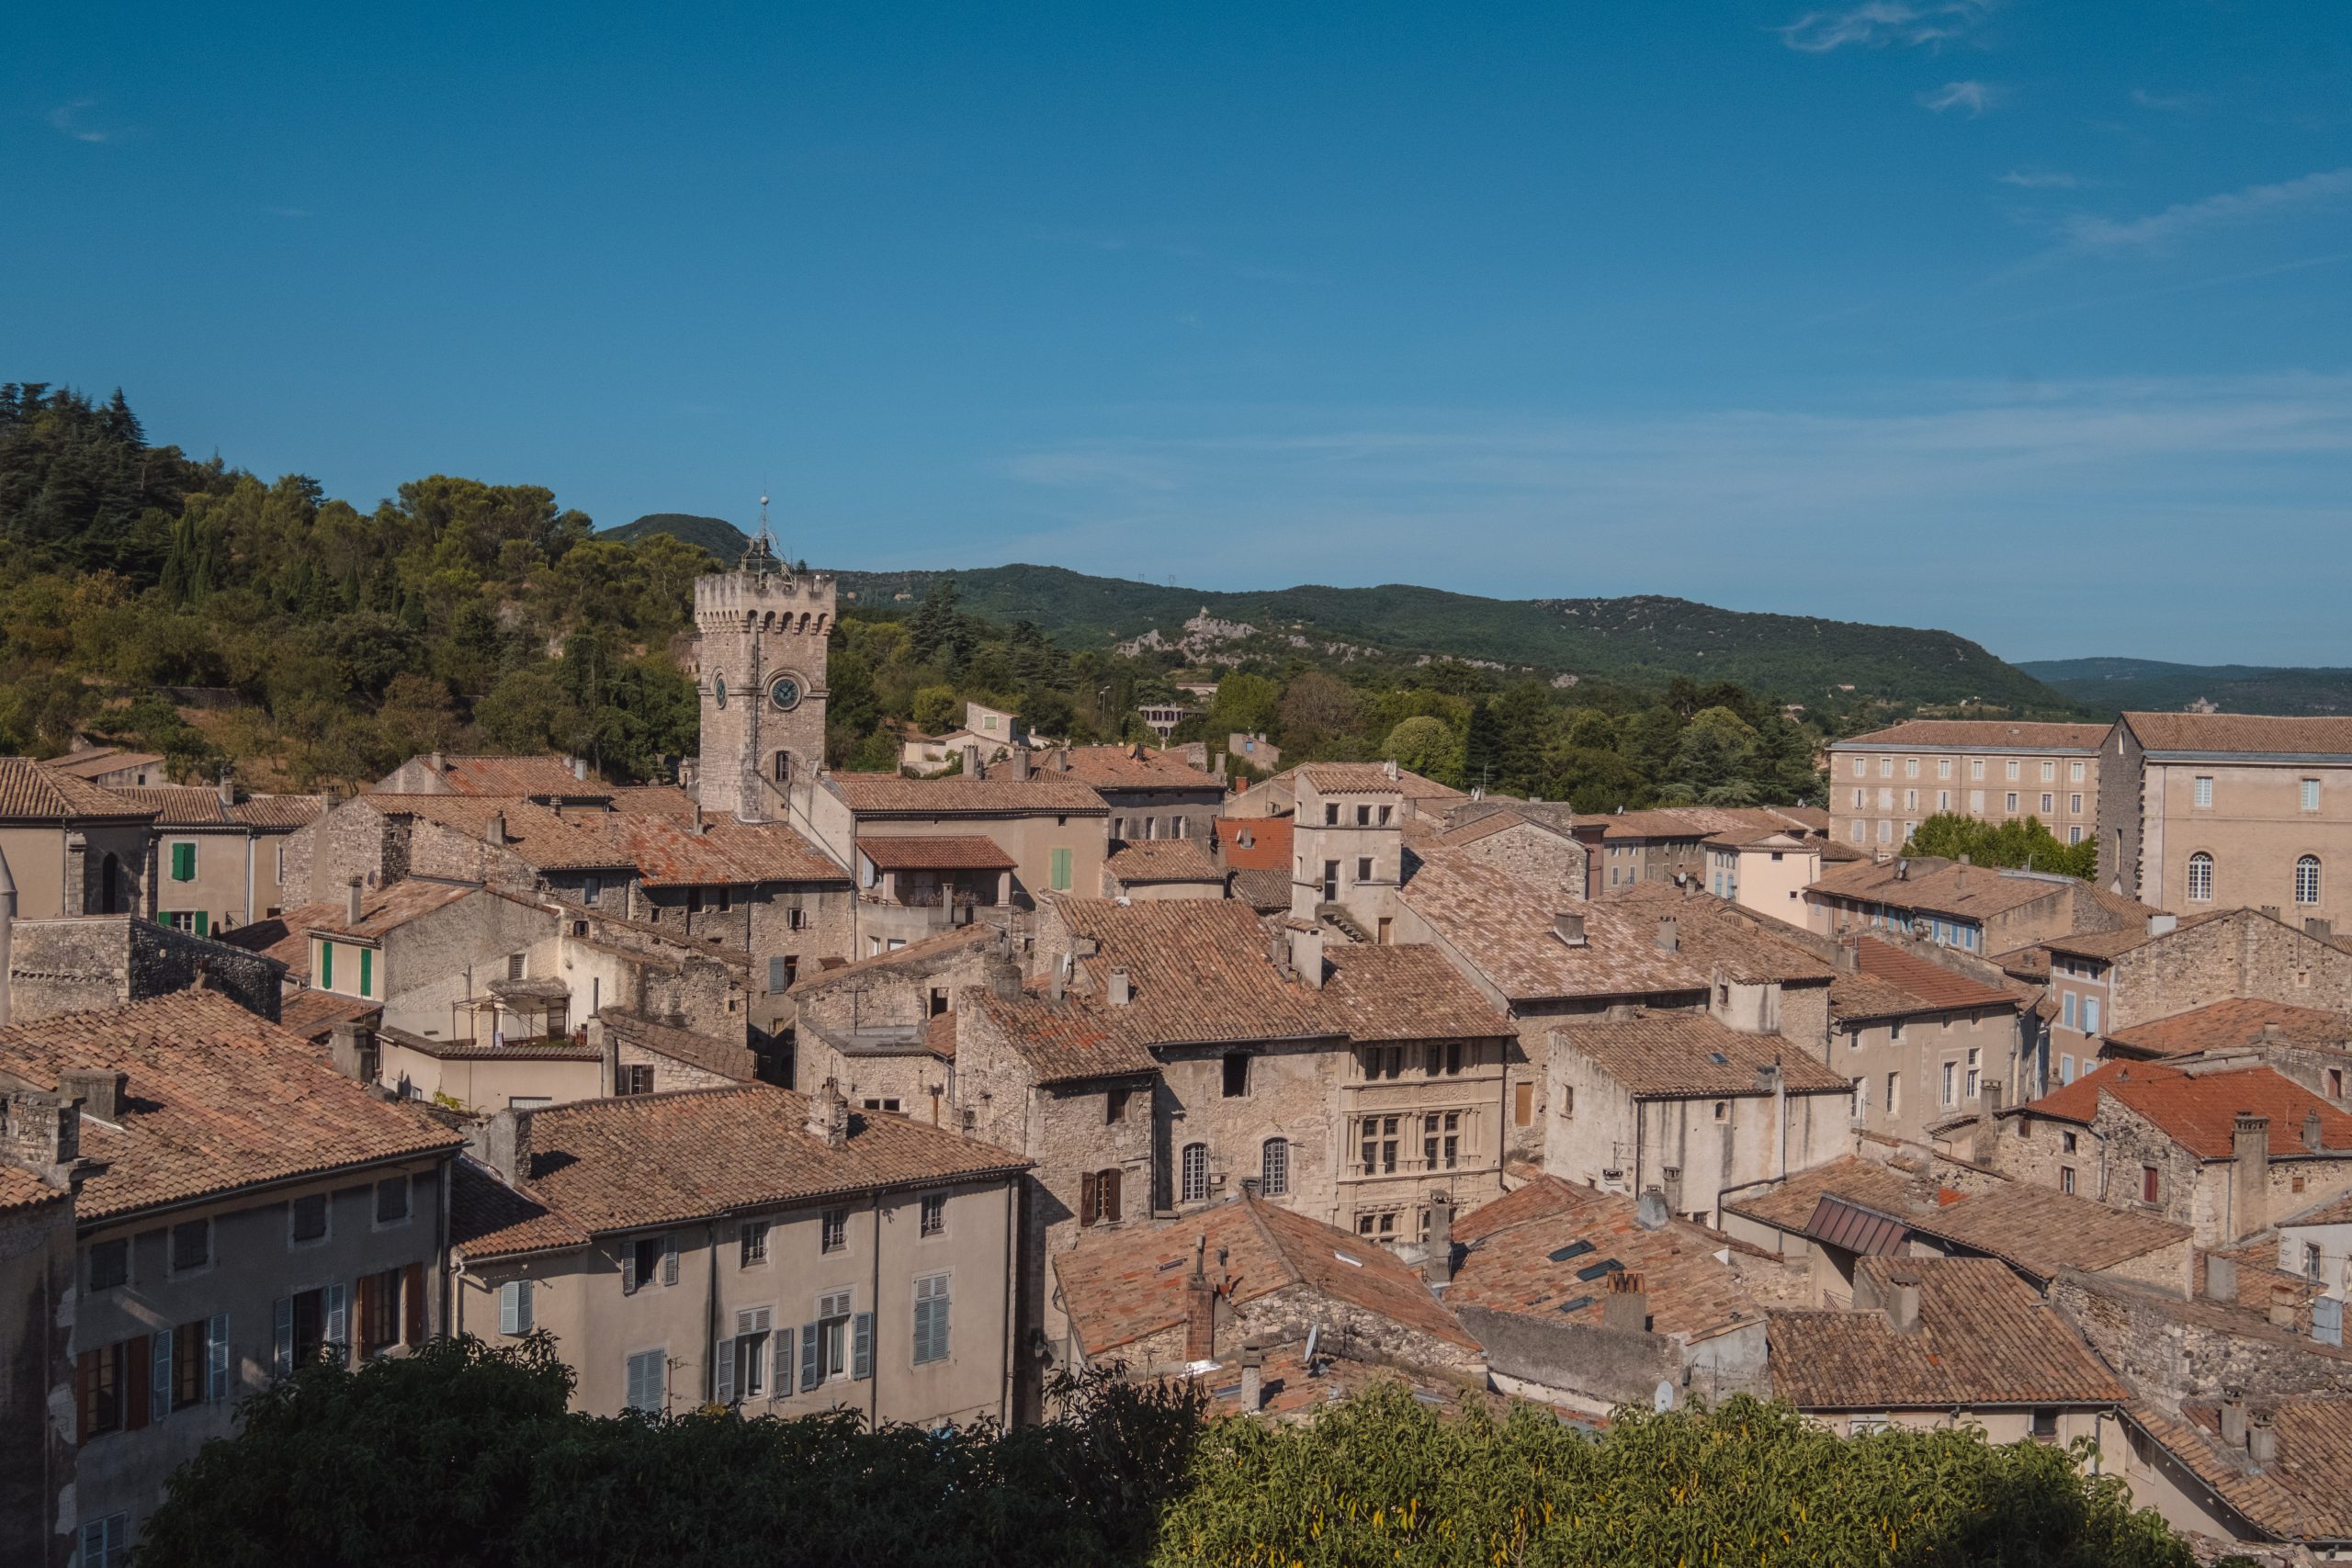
(580, 768)
(2322, 930)
(1253, 1365)
(1122, 988)
(1199, 1308)
(43, 1132)
(1669, 936)
(2234, 1421)
(351, 1053)
(2250, 1175)
(436, 764)
(2261, 1442)
(829, 1115)
(101, 1091)
(2162, 925)
(1626, 1305)
(1903, 1302)
(496, 831)
(1649, 1210)
(1439, 1268)
(228, 789)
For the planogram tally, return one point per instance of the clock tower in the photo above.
(760, 675)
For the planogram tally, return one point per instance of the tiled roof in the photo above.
(1403, 993)
(1071, 1041)
(654, 1159)
(1164, 860)
(1267, 888)
(1891, 982)
(278, 813)
(669, 853)
(20, 1189)
(728, 1059)
(913, 953)
(2242, 734)
(537, 835)
(935, 852)
(217, 1100)
(1943, 887)
(1349, 778)
(468, 1048)
(1269, 845)
(1985, 1338)
(1788, 1205)
(1118, 767)
(1514, 1264)
(515, 776)
(490, 1219)
(655, 800)
(2228, 1025)
(939, 1035)
(1199, 972)
(2200, 1112)
(1503, 925)
(381, 910)
(1689, 1053)
(95, 759)
(2306, 1496)
(2043, 1230)
(274, 937)
(313, 1014)
(1978, 735)
(888, 795)
(31, 791)
(191, 805)
(1121, 1285)
(2114, 943)
(1494, 822)
(1716, 934)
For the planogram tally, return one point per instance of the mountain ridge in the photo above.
(2156, 684)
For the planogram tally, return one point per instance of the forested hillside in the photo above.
(225, 619)
(2108, 686)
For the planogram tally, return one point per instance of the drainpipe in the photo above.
(873, 1305)
(441, 1246)
(710, 1318)
(1012, 1331)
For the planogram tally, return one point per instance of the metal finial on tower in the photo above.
(761, 555)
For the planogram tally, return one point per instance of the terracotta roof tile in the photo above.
(20, 1189)
(2123, 939)
(1117, 767)
(1267, 889)
(2230, 1025)
(928, 853)
(1938, 887)
(1071, 1041)
(526, 775)
(1671, 1055)
(381, 910)
(939, 1035)
(1891, 982)
(90, 762)
(1199, 971)
(1349, 778)
(218, 1099)
(728, 1059)
(1403, 993)
(1985, 1338)
(31, 791)
(1716, 934)
(1503, 925)
(888, 795)
(1122, 1285)
(1511, 1265)
(313, 1014)
(914, 953)
(2242, 734)
(2043, 1230)
(1788, 1205)
(490, 1219)
(2200, 1112)
(654, 1159)
(537, 836)
(1163, 859)
(2306, 1496)
(1978, 735)
(1267, 847)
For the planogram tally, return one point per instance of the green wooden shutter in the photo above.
(183, 862)
(203, 922)
(326, 965)
(1061, 870)
(367, 969)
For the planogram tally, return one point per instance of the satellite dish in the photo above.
(1663, 1400)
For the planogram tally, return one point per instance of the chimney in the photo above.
(1004, 978)
(1569, 928)
(1649, 1210)
(828, 1115)
(579, 769)
(2261, 1442)
(1965, 860)
(1199, 1308)
(1123, 989)
(1439, 1268)
(1670, 938)
(1988, 1148)
(1058, 979)
(2233, 1421)
(2282, 1307)
(43, 1132)
(228, 789)
(2322, 931)
(1307, 954)
(351, 1053)
(2221, 1279)
(1021, 763)
(436, 764)
(1903, 1302)
(2162, 925)
(2312, 1140)
(1672, 1177)
(1621, 1012)
(351, 897)
(971, 759)
(1850, 954)
(1389, 767)
(1625, 1306)
(503, 1144)
(1767, 1076)
(1253, 1373)
(102, 1093)
(2269, 911)
(1902, 870)
(2250, 1175)
(1061, 759)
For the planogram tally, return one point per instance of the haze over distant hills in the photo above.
(2111, 684)
(1643, 640)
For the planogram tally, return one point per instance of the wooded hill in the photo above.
(2112, 685)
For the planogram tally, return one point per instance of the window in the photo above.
(1723, 1110)
(1910, 767)
(649, 1382)
(636, 1079)
(308, 1219)
(751, 1243)
(326, 966)
(109, 1265)
(1364, 868)
(2074, 806)
(1567, 1099)
(100, 1376)
(2067, 1009)
(2065, 1068)
(2311, 794)
(1330, 814)
(191, 1246)
(879, 1102)
(1976, 1072)
(1895, 1094)
(1858, 1098)
(1098, 1198)
(930, 1318)
(2046, 799)
(514, 1307)
(391, 1200)
(1976, 767)
(839, 1344)
(2066, 1179)
(1976, 800)
(2311, 1262)
(933, 1215)
(1943, 803)
(1330, 881)
(2200, 878)
(1363, 816)
(2335, 1083)
(184, 862)
(796, 919)
(2009, 769)
(2009, 802)
(1195, 1189)
(1441, 1140)
(2067, 1143)
(1237, 1075)
(1943, 767)
(106, 1543)
(2204, 792)
(1114, 1105)
(303, 1327)
(1060, 870)
(1862, 767)
(1910, 800)
(1522, 1104)
(2090, 1015)
(1886, 767)
(1273, 1168)
(2049, 771)
(647, 1259)
(834, 1234)
(2148, 1187)
(2307, 880)
(743, 1360)
(1952, 1079)
(380, 1313)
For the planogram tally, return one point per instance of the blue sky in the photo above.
(2025, 319)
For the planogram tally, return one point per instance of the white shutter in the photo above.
(510, 1307)
(282, 1333)
(215, 1357)
(628, 1267)
(338, 1330)
(723, 1373)
(159, 1384)
(669, 1259)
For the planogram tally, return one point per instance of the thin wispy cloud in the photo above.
(1883, 23)
(75, 120)
(2089, 234)
(2174, 104)
(2040, 179)
(1975, 97)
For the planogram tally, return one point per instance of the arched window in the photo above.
(1195, 1188)
(1273, 1168)
(2200, 878)
(2307, 880)
(110, 886)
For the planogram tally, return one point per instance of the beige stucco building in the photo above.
(1884, 785)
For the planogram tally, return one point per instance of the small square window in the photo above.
(391, 1200)
(310, 1218)
(835, 1237)
(191, 1246)
(934, 1214)
(754, 1242)
(109, 1265)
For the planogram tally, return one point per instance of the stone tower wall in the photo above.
(756, 627)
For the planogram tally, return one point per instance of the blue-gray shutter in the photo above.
(628, 1267)
(338, 1326)
(669, 1259)
(723, 1373)
(215, 1357)
(810, 1373)
(2327, 1320)
(283, 1334)
(514, 1307)
(159, 1383)
(861, 1346)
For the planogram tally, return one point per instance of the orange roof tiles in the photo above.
(1508, 1265)
(2230, 1025)
(1891, 982)
(728, 1058)
(1122, 1285)
(20, 1189)
(313, 1014)
(381, 910)
(2200, 1112)
(31, 791)
(490, 1219)
(1349, 778)
(524, 775)
(1163, 859)
(1267, 847)
(1072, 1041)
(1985, 1338)
(1718, 934)
(2241, 734)
(1199, 972)
(1117, 767)
(94, 761)
(928, 853)
(1503, 925)
(1675, 1054)
(217, 1101)
(191, 805)
(2305, 1496)
(1978, 735)
(1403, 993)
(914, 953)
(888, 795)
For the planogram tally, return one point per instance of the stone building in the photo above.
(1920, 1044)
(1152, 794)
(243, 1209)
(81, 963)
(1763, 869)
(38, 1271)
(1348, 846)
(759, 672)
(218, 856)
(1669, 843)
(72, 847)
(1535, 849)
(541, 780)
(1979, 909)
(1884, 785)
(1163, 868)
(111, 767)
(2211, 810)
(749, 1247)
(883, 1029)
(642, 1055)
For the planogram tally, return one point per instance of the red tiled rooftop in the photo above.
(2200, 1112)
(1269, 845)
(1511, 1264)
(1978, 735)
(935, 852)
(2232, 1024)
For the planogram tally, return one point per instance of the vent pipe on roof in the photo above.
(1672, 1177)
(1903, 1302)
(2261, 1442)
(351, 902)
(2233, 1421)
(1439, 1268)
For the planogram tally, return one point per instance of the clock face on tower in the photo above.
(784, 692)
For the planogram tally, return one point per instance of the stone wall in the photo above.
(2173, 1349)
(36, 1453)
(1288, 1315)
(103, 961)
(2242, 953)
(1293, 1093)
(1532, 853)
(1610, 1367)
